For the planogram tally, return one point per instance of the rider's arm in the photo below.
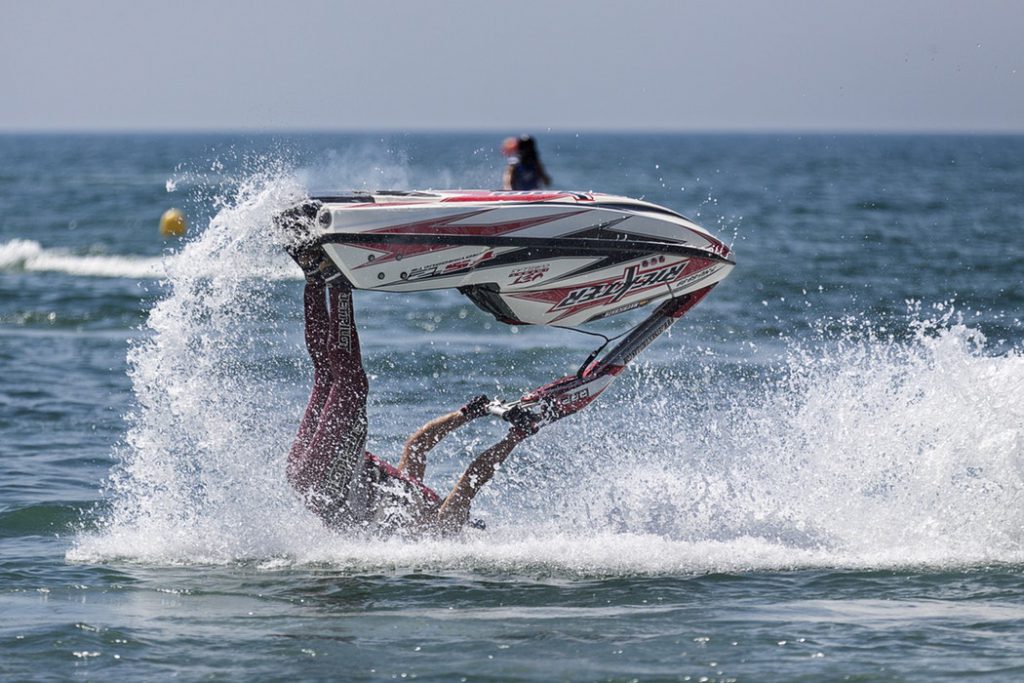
(506, 178)
(454, 511)
(414, 456)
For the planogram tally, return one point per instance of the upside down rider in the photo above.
(661, 257)
(343, 484)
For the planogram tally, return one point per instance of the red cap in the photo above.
(509, 146)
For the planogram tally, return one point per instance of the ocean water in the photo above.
(818, 475)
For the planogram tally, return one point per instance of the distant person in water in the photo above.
(341, 482)
(524, 170)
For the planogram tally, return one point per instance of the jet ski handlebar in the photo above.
(570, 394)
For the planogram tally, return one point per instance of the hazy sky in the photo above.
(527, 65)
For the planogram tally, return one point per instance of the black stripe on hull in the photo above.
(557, 246)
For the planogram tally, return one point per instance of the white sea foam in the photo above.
(857, 450)
(862, 448)
(29, 255)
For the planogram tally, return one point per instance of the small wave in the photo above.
(501, 550)
(45, 518)
(31, 256)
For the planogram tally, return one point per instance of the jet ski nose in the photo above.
(326, 218)
(298, 217)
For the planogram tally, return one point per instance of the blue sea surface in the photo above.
(817, 475)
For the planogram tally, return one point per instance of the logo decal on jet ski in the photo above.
(632, 280)
(654, 276)
(449, 267)
(522, 276)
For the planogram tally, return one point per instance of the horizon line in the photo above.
(506, 131)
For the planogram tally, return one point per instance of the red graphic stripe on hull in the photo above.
(443, 227)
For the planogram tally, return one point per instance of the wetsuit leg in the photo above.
(317, 333)
(328, 467)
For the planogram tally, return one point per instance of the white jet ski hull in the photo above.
(542, 258)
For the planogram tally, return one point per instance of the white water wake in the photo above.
(31, 256)
(199, 470)
(856, 450)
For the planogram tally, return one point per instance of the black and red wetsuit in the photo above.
(328, 463)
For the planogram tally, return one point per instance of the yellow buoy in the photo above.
(172, 223)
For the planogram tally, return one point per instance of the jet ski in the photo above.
(537, 257)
